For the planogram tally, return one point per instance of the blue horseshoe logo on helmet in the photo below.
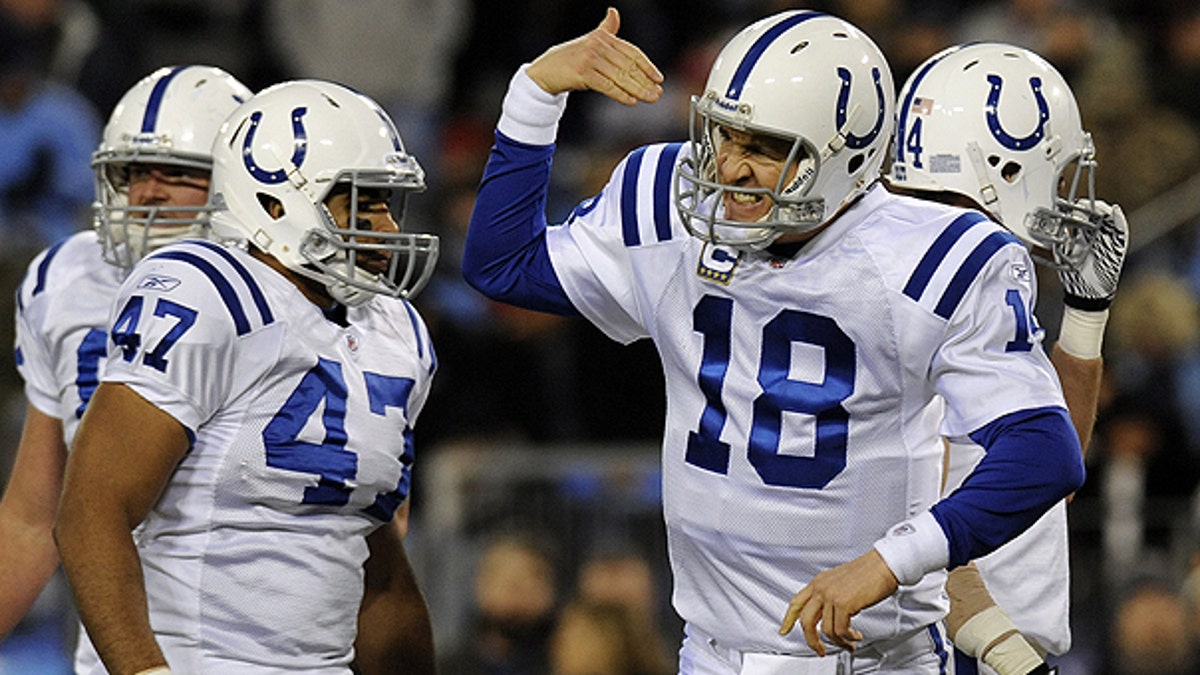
(299, 148)
(853, 141)
(993, 120)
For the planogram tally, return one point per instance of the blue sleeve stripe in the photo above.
(966, 274)
(260, 299)
(915, 287)
(224, 288)
(629, 196)
(662, 191)
(43, 269)
(759, 48)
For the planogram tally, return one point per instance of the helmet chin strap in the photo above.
(346, 294)
(838, 141)
(988, 197)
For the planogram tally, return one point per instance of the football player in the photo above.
(152, 171)
(995, 127)
(254, 420)
(819, 335)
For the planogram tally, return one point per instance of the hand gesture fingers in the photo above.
(816, 613)
(834, 596)
(600, 61)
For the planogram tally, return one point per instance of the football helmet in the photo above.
(999, 125)
(168, 118)
(293, 143)
(806, 77)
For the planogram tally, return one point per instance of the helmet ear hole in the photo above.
(271, 206)
(1011, 172)
(855, 163)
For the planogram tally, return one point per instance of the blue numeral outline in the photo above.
(1025, 323)
(713, 319)
(125, 332)
(187, 318)
(334, 465)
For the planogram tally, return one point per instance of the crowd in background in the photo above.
(510, 377)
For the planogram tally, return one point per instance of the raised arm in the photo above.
(123, 456)
(505, 255)
(1089, 277)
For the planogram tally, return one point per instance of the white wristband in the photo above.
(914, 548)
(1082, 332)
(529, 113)
(156, 670)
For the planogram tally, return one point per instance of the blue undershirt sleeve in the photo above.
(1033, 460)
(505, 256)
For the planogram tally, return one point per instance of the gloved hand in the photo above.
(1089, 264)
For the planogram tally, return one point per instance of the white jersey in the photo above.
(1030, 576)
(806, 396)
(302, 432)
(62, 314)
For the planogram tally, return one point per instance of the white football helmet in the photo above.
(170, 117)
(293, 143)
(999, 125)
(809, 78)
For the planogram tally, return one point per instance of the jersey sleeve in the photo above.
(1001, 392)
(182, 332)
(590, 252)
(35, 360)
(427, 362)
(991, 361)
(504, 256)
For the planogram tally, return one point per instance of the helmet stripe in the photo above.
(394, 135)
(759, 47)
(150, 118)
(906, 106)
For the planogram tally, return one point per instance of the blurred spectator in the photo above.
(515, 605)
(597, 638)
(1152, 634)
(47, 134)
(1190, 592)
(621, 578)
(1134, 134)
(80, 47)
(1175, 45)
(1147, 464)
(1065, 32)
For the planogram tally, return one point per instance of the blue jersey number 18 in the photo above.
(713, 319)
